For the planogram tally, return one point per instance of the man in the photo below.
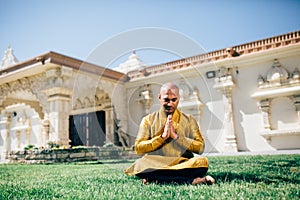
(169, 139)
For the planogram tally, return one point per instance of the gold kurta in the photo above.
(170, 154)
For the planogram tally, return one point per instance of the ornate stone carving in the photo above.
(224, 83)
(38, 84)
(190, 100)
(121, 137)
(100, 100)
(29, 85)
(295, 78)
(185, 90)
(145, 98)
(277, 84)
(278, 76)
(59, 76)
(87, 103)
(264, 106)
(4, 90)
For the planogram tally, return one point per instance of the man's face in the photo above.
(169, 99)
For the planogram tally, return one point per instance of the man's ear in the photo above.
(159, 96)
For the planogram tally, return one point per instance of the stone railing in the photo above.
(260, 45)
(71, 155)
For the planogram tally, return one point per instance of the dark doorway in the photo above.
(87, 129)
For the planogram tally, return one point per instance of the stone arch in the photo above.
(28, 90)
(18, 97)
(99, 100)
(23, 126)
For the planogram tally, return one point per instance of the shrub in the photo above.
(30, 147)
(53, 145)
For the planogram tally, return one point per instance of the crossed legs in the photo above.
(183, 176)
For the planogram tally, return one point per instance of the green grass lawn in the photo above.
(240, 177)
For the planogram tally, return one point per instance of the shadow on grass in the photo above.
(100, 162)
(254, 178)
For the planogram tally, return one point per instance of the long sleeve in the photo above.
(190, 137)
(145, 141)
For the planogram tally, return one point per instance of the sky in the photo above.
(78, 28)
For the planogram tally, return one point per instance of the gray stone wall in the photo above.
(71, 155)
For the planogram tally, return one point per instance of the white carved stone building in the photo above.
(245, 98)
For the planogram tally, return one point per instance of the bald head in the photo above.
(170, 87)
(169, 97)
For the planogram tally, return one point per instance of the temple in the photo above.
(245, 97)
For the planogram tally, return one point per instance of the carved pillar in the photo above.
(59, 99)
(18, 134)
(8, 142)
(46, 126)
(225, 85)
(6, 120)
(230, 142)
(264, 106)
(28, 133)
(109, 125)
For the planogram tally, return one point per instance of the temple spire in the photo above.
(133, 63)
(9, 58)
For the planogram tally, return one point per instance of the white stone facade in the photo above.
(246, 98)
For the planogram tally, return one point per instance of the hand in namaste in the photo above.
(169, 130)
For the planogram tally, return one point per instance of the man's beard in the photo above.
(169, 109)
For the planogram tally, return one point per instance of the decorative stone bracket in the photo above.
(58, 93)
(58, 76)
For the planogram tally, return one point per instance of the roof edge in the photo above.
(61, 59)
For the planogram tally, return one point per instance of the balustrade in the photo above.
(274, 42)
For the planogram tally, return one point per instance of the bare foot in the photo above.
(204, 180)
(210, 180)
(144, 181)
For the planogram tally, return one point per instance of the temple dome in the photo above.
(277, 72)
